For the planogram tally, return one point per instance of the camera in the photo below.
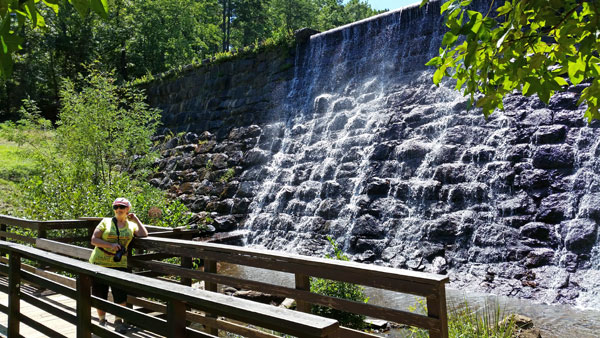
(119, 254)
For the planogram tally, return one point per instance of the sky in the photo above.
(390, 4)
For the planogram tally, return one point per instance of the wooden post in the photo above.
(302, 283)
(176, 318)
(186, 262)
(14, 298)
(436, 308)
(42, 232)
(211, 266)
(84, 306)
(90, 234)
(2, 228)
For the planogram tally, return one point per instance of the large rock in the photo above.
(554, 157)
(580, 234)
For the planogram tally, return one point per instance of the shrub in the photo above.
(337, 289)
(466, 322)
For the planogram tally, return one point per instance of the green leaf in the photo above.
(53, 4)
(100, 7)
(436, 61)
(505, 9)
(576, 70)
(423, 2)
(82, 6)
(438, 75)
(560, 81)
(449, 39)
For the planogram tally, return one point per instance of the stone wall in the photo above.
(218, 96)
(347, 137)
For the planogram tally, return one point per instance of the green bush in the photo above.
(337, 289)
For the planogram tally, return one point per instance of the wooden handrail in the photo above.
(427, 285)
(176, 296)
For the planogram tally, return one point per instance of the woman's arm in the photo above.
(141, 231)
(99, 242)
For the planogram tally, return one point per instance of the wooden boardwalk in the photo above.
(50, 320)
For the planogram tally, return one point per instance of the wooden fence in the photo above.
(177, 297)
(154, 249)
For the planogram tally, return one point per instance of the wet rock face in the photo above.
(364, 149)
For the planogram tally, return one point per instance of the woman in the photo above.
(111, 239)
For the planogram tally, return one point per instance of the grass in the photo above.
(467, 321)
(15, 166)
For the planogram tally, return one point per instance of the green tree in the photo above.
(251, 23)
(291, 15)
(533, 46)
(16, 14)
(103, 127)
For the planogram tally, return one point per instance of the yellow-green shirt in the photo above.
(109, 234)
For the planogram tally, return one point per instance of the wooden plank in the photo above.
(375, 311)
(282, 320)
(14, 302)
(132, 316)
(49, 307)
(175, 318)
(50, 284)
(153, 256)
(68, 224)
(228, 326)
(73, 239)
(63, 249)
(407, 281)
(104, 332)
(436, 308)
(350, 333)
(17, 237)
(84, 306)
(40, 327)
(302, 283)
(19, 222)
(201, 319)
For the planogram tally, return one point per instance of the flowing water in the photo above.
(368, 151)
(554, 321)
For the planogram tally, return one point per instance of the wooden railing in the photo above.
(177, 299)
(43, 229)
(430, 286)
(151, 250)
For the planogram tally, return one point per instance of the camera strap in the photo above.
(114, 219)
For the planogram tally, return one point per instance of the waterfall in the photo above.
(368, 151)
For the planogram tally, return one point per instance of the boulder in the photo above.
(580, 234)
(553, 156)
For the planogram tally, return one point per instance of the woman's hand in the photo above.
(115, 246)
(133, 217)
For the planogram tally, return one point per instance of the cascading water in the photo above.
(369, 152)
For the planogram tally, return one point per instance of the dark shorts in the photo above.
(100, 290)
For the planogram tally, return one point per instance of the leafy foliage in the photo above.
(531, 46)
(98, 152)
(340, 290)
(14, 15)
(103, 126)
